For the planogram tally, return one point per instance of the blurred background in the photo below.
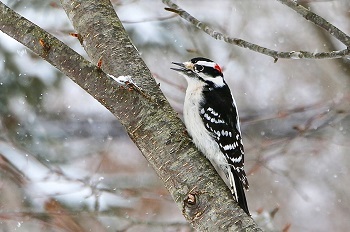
(66, 164)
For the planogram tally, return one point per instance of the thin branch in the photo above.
(266, 51)
(147, 20)
(318, 21)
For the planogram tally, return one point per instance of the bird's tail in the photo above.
(237, 190)
(242, 201)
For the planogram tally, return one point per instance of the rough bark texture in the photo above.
(150, 121)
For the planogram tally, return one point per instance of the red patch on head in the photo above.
(217, 67)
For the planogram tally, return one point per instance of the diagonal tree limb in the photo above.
(254, 47)
(151, 123)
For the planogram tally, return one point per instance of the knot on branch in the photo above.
(193, 206)
(190, 200)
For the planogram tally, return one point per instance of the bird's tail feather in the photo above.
(242, 201)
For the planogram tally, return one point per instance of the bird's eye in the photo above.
(198, 68)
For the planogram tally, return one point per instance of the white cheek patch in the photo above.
(218, 81)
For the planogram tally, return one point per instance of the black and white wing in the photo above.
(221, 119)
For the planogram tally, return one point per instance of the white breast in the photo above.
(195, 127)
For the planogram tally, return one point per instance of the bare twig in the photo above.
(266, 51)
(318, 20)
(149, 19)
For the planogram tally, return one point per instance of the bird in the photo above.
(211, 119)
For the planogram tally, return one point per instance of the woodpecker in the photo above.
(211, 118)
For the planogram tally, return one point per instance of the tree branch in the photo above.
(151, 123)
(266, 51)
(318, 21)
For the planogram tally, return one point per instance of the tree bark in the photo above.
(151, 123)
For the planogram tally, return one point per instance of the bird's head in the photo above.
(201, 69)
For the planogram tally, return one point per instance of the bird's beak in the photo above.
(184, 66)
(182, 69)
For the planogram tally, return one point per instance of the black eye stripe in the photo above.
(211, 71)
